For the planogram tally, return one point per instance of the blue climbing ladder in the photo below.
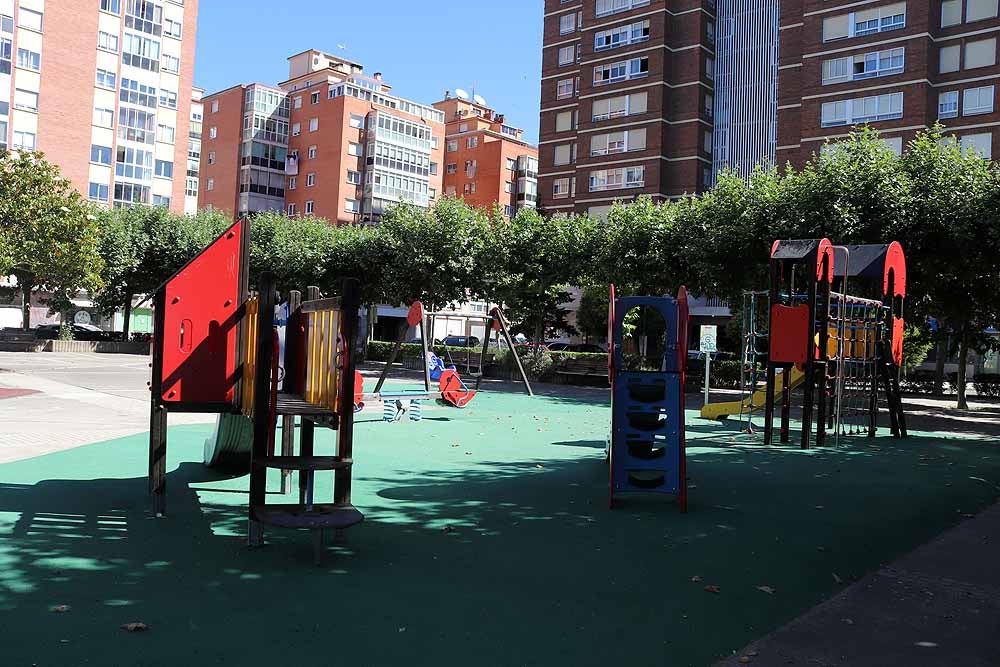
(647, 406)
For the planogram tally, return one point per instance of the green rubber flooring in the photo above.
(487, 541)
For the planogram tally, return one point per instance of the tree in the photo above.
(951, 233)
(49, 232)
(592, 314)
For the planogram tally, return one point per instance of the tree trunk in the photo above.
(126, 316)
(26, 282)
(539, 332)
(942, 354)
(963, 357)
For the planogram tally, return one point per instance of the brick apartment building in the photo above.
(104, 89)
(330, 141)
(626, 101)
(487, 161)
(679, 86)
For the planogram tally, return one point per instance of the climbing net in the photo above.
(856, 329)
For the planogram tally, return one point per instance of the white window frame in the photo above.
(310, 206)
(948, 104)
(623, 35)
(978, 96)
(855, 111)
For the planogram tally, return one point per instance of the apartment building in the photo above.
(627, 101)
(330, 141)
(104, 89)
(194, 152)
(897, 66)
(487, 161)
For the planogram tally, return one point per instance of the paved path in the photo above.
(939, 605)
(75, 399)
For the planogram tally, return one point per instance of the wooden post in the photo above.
(510, 344)
(290, 382)
(262, 404)
(350, 302)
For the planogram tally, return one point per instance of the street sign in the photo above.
(709, 333)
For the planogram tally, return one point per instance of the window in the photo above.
(353, 177)
(309, 207)
(567, 23)
(863, 66)
(29, 59)
(863, 110)
(616, 179)
(211, 157)
(564, 89)
(164, 169)
(170, 63)
(452, 145)
(25, 99)
(508, 186)
(981, 144)
(310, 179)
(100, 154)
(107, 41)
(136, 125)
(981, 54)
(354, 149)
(560, 188)
(837, 70)
(293, 182)
(511, 164)
(866, 22)
(564, 121)
(566, 55)
(709, 104)
(297, 103)
(24, 140)
(106, 79)
(311, 152)
(605, 7)
(29, 18)
(357, 121)
(296, 129)
(979, 10)
(948, 104)
(134, 163)
(161, 200)
(210, 184)
(172, 28)
(615, 107)
(168, 99)
(352, 205)
(708, 141)
(215, 106)
(314, 97)
(621, 35)
(313, 124)
(710, 68)
(977, 101)
(949, 58)
(291, 209)
(432, 193)
(434, 168)
(452, 168)
(111, 6)
(471, 142)
(621, 71)
(98, 192)
(951, 13)
(141, 52)
(562, 154)
(894, 144)
(213, 132)
(104, 117)
(618, 142)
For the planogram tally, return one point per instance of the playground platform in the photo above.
(487, 538)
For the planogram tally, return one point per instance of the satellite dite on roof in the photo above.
(478, 99)
(461, 94)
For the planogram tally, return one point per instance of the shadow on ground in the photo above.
(487, 540)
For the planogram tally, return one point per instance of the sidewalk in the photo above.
(939, 605)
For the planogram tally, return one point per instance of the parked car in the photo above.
(417, 341)
(558, 347)
(80, 332)
(585, 347)
(461, 341)
(542, 347)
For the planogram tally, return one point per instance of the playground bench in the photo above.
(583, 367)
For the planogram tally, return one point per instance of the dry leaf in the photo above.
(848, 621)
(766, 589)
(713, 589)
(137, 626)
(926, 644)
(539, 465)
(745, 660)
(62, 608)
(696, 578)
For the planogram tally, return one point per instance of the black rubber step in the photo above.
(293, 404)
(320, 516)
(304, 462)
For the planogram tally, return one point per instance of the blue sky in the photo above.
(422, 48)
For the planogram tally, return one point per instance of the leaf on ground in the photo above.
(848, 621)
(712, 588)
(836, 578)
(696, 578)
(766, 589)
(61, 608)
(135, 626)
(926, 644)
(539, 465)
(745, 660)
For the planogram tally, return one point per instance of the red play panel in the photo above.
(14, 393)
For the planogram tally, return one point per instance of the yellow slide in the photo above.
(756, 401)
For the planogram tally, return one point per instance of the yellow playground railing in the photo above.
(252, 307)
(322, 350)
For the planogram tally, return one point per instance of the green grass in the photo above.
(534, 570)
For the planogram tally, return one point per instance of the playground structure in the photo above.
(646, 450)
(451, 388)
(846, 346)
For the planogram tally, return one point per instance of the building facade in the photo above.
(486, 159)
(330, 141)
(194, 153)
(104, 89)
(627, 101)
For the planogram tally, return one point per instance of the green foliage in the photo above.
(917, 344)
(592, 313)
(987, 384)
(48, 233)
